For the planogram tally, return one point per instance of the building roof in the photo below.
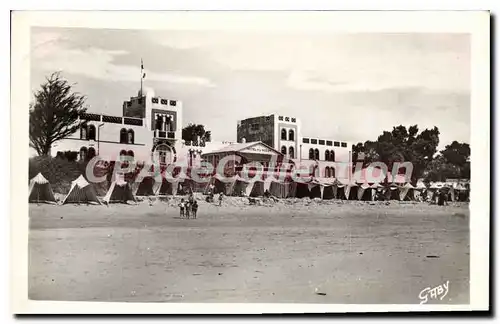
(239, 147)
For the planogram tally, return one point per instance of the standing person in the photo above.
(220, 198)
(182, 207)
(194, 208)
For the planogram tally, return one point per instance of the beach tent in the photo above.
(325, 186)
(119, 191)
(376, 187)
(365, 192)
(392, 192)
(255, 188)
(147, 187)
(167, 187)
(220, 184)
(406, 191)
(81, 192)
(239, 186)
(40, 190)
(349, 188)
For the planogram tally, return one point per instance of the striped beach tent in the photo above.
(81, 192)
(40, 190)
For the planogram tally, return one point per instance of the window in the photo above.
(130, 153)
(287, 118)
(280, 118)
(327, 171)
(344, 144)
(139, 101)
(291, 152)
(314, 141)
(311, 154)
(283, 150)
(336, 143)
(305, 140)
(293, 120)
(283, 134)
(173, 102)
(83, 153)
(332, 156)
(83, 131)
(327, 155)
(130, 136)
(254, 127)
(329, 143)
(316, 154)
(123, 135)
(332, 172)
(169, 124)
(91, 153)
(129, 103)
(91, 132)
(123, 153)
(164, 101)
(321, 142)
(291, 135)
(154, 100)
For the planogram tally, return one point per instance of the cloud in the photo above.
(96, 63)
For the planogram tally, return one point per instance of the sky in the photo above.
(347, 87)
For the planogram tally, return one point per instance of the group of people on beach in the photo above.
(188, 208)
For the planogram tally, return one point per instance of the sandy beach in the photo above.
(300, 251)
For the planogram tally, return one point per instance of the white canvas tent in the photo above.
(40, 190)
(119, 191)
(406, 191)
(365, 192)
(81, 192)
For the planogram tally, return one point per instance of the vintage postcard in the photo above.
(250, 162)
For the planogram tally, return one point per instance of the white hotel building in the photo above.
(151, 127)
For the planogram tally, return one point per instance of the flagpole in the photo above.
(142, 68)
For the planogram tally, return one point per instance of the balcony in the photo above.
(164, 134)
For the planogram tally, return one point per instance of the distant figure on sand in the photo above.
(220, 198)
(182, 207)
(442, 198)
(194, 208)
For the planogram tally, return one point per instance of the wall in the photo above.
(262, 130)
(342, 154)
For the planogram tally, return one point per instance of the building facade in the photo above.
(284, 134)
(150, 127)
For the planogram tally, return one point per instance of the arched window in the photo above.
(123, 136)
(316, 154)
(130, 136)
(83, 153)
(291, 135)
(327, 172)
(283, 134)
(291, 152)
(332, 155)
(327, 155)
(123, 152)
(332, 172)
(91, 153)
(83, 131)
(283, 150)
(130, 153)
(311, 154)
(92, 132)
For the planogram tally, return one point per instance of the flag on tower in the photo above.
(142, 70)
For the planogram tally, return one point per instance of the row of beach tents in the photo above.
(82, 191)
